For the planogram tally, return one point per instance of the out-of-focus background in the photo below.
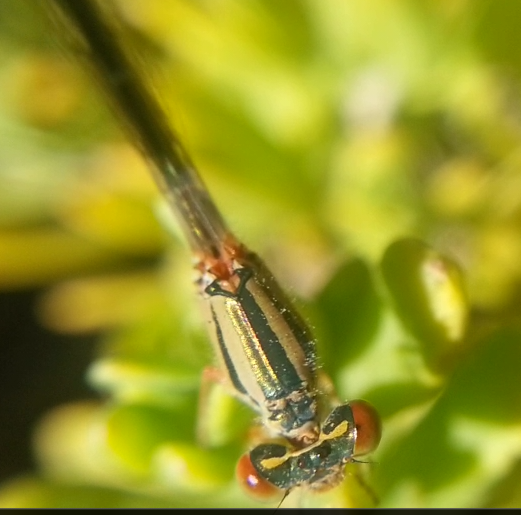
(336, 136)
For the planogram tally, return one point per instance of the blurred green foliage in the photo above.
(368, 150)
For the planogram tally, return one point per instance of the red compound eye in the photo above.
(253, 483)
(368, 427)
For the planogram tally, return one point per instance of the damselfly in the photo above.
(265, 351)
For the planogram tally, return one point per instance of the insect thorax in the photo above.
(267, 353)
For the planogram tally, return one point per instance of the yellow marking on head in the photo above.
(271, 463)
(339, 430)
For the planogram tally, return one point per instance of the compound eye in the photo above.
(368, 427)
(253, 484)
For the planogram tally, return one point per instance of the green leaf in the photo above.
(427, 292)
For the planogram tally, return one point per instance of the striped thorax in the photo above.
(263, 347)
